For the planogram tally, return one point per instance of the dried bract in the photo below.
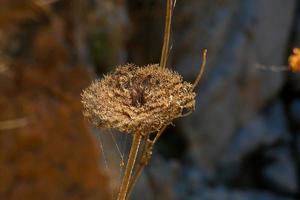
(138, 99)
(294, 60)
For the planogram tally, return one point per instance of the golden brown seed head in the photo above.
(137, 99)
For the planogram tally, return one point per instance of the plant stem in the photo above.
(137, 137)
(145, 157)
(140, 167)
(166, 43)
(137, 174)
(200, 74)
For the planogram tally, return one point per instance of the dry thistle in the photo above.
(140, 101)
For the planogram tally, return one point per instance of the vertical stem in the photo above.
(145, 158)
(137, 174)
(166, 43)
(137, 137)
(142, 163)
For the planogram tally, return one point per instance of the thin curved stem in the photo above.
(200, 74)
(167, 34)
(159, 133)
(130, 165)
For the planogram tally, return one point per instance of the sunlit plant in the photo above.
(141, 101)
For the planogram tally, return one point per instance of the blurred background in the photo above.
(241, 143)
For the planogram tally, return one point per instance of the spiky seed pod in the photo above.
(294, 60)
(138, 99)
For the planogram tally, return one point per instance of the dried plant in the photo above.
(140, 101)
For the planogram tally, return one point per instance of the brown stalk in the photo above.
(202, 67)
(137, 137)
(129, 184)
(167, 34)
(145, 157)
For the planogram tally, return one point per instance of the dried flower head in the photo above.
(294, 60)
(138, 99)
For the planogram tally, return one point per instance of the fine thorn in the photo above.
(167, 33)
(200, 74)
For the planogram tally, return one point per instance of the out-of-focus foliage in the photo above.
(16, 11)
(46, 149)
(51, 156)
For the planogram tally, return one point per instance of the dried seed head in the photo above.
(138, 99)
(294, 60)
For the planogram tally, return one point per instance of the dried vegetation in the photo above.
(138, 99)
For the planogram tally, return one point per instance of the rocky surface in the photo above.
(222, 193)
(234, 89)
(282, 173)
(267, 129)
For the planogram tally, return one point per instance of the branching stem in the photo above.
(145, 157)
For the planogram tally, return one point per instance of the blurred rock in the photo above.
(298, 146)
(234, 90)
(264, 130)
(221, 193)
(146, 40)
(192, 180)
(169, 180)
(294, 110)
(159, 181)
(282, 173)
(294, 82)
(108, 31)
(143, 187)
